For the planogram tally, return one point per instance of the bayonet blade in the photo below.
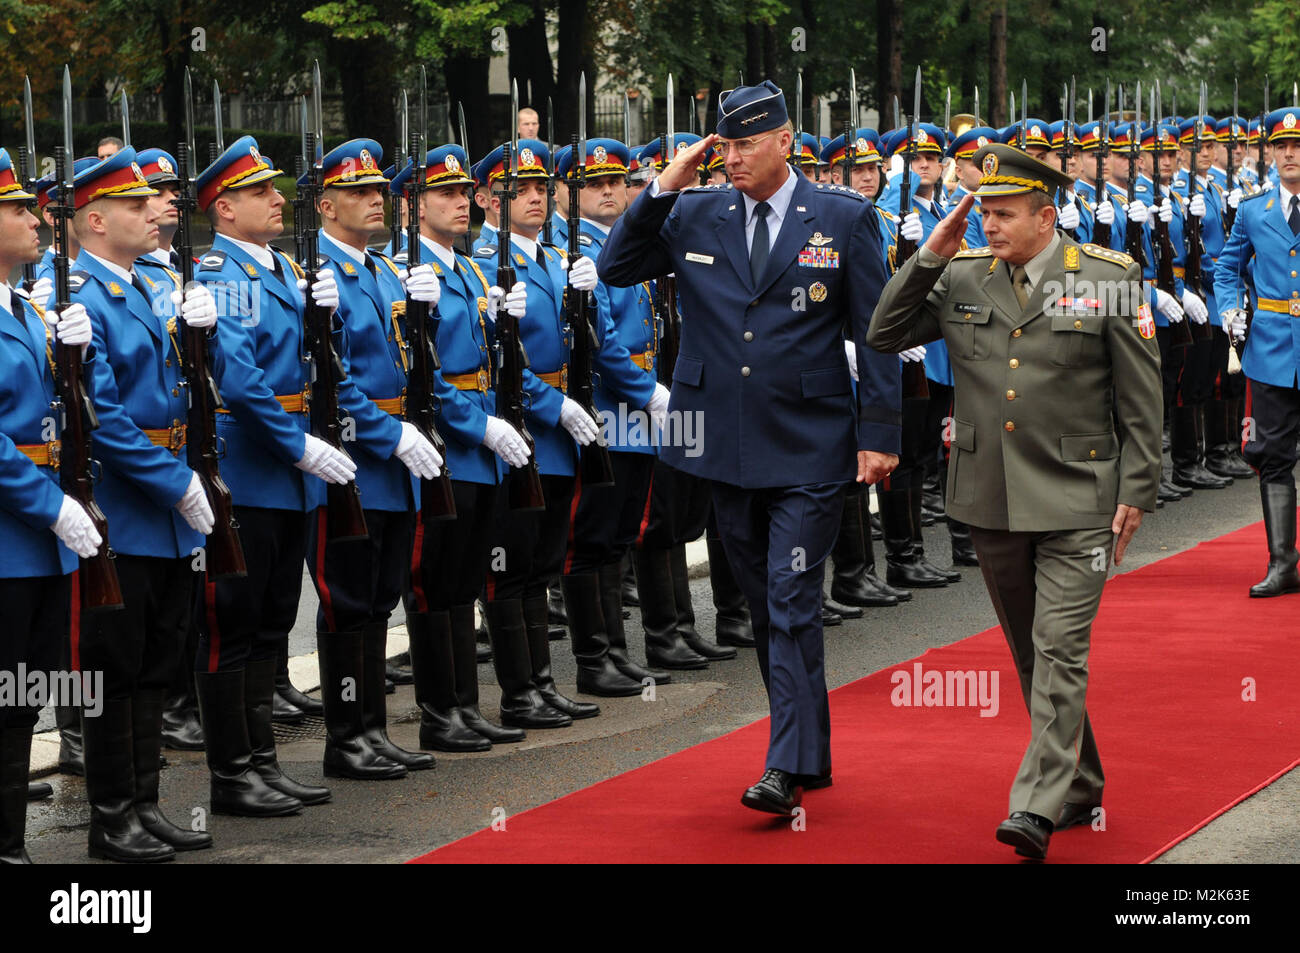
(1265, 97)
(853, 101)
(126, 119)
(31, 132)
(302, 128)
(581, 157)
(977, 105)
(550, 123)
(216, 117)
(65, 187)
(672, 129)
(318, 159)
(403, 125)
(798, 112)
(464, 136)
(514, 134)
(897, 119)
(1137, 112)
(627, 120)
(1013, 107)
(916, 97)
(189, 128)
(947, 109)
(424, 112)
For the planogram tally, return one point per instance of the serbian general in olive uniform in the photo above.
(1056, 447)
(770, 272)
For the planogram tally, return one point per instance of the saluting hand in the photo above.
(946, 238)
(682, 171)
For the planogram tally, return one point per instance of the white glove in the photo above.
(198, 307)
(583, 274)
(41, 292)
(1165, 209)
(414, 450)
(1195, 307)
(913, 354)
(851, 355)
(76, 530)
(325, 292)
(422, 284)
(195, 508)
(1067, 216)
(1197, 205)
(1234, 324)
(72, 325)
(912, 229)
(657, 406)
(1105, 212)
(1168, 306)
(1138, 213)
(577, 421)
(505, 441)
(322, 460)
(494, 296)
(517, 300)
(1235, 197)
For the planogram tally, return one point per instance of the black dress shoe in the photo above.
(38, 790)
(1027, 833)
(845, 612)
(1072, 814)
(775, 793)
(483, 653)
(830, 617)
(813, 782)
(397, 674)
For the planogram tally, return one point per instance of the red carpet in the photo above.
(1170, 650)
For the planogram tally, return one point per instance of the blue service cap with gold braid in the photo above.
(445, 165)
(354, 163)
(11, 190)
(1231, 127)
(241, 165)
(117, 177)
(1007, 170)
(1187, 129)
(929, 138)
(866, 144)
(532, 162)
(159, 167)
(1037, 134)
(649, 154)
(970, 141)
(604, 157)
(47, 188)
(748, 111)
(1124, 137)
(1163, 140)
(1283, 123)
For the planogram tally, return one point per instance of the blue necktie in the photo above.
(1294, 218)
(758, 251)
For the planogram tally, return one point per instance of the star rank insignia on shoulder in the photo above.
(840, 190)
(714, 187)
(1107, 254)
(983, 251)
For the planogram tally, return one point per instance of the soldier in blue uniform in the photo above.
(1267, 228)
(360, 581)
(533, 543)
(1073, 214)
(43, 529)
(771, 387)
(154, 502)
(273, 466)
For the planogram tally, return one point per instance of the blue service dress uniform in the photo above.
(771, 390)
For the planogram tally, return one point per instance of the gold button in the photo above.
(1092, 453)
(1014, 363)
(1293, 274)
(1011, 395)
(966, 317)
(1078, 324)
(1015, 333)
(168, 362)
(1293, 253)
(1010, 426)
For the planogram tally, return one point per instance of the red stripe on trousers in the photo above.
(645, 514)
(214, 630)
(74, 622)
(573, 515)
(322, 589)
(417, 559)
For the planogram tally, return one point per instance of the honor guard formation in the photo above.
(1031, 335)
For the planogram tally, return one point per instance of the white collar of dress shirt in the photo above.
(445, 254)
(260, 253)
(1286, 195)
(123, 273)
(6, 298)
(356, 254)
(779, 200)
(160, 255)
(527, 245)
(603, 230)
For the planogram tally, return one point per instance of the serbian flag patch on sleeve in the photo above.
(1146, 323)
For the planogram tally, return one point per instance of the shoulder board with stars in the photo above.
(982, 252)
(1107, 254)
(212, 261)
(485, 251)
(839, 190)
(700, 189)
(76, 279)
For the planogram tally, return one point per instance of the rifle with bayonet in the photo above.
(299, 170)
(1232, 164)
(1261, 165)
(1100, 229)
(1192, 276)
(395, 230)
(548, 227)
(100, 589)
(26, 169)
(851, 134)
(345, 518)
(915, 383)
(1180, 332)
(223, 551)
(436, 498)
(1133, 237)
(1067, 142)
(796, 147)
(596, 466)
(524, 483)
(664, 302)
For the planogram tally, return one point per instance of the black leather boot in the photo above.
(259, 687)
(1235, 410)
(932, 503)
(556, 612)
(181, 729)
(539, 651)
(630, 596)
(664, 645)
(146, 738)
(343, 687)
(39, 790)
(374, 708)
(116, 832)
(597, 673)
(1223, 441)
(903, 568)
(522, 706)
(732, 624)
(398, 669)
(686, 611)
(1186, 434)
(286, 696)
(918, 542)
(611, 609)
(467, 677)
(853, 579)
(15, 758)
(72, 758)
(482, 644)
(1279, 526)
(441, 726)
(236, 787)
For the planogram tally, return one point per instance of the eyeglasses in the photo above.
(746, 147)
